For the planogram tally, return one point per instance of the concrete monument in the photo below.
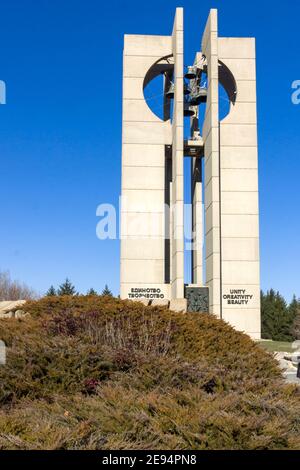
(223, 156)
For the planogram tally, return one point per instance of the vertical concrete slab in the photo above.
(177, 273)
(239, 191)
(143, 174)
(212, 165)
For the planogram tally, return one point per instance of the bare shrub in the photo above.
(121, 333)
(14, 290)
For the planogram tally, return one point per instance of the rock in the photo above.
(9, 306)
(9, 309)
(296, 345)
(20, 314)
(295, 358)
(7, 315)
(178, 305)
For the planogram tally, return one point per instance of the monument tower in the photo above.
(224, 181)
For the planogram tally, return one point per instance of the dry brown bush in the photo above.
(101, 373)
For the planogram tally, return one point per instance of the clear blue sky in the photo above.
(60, 132)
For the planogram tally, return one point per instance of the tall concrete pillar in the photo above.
(177, 280)
(143, 170)
(212, 165)
(231, 181)
(152, 170)
(240, 271)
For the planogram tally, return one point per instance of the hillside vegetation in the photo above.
(100, 373)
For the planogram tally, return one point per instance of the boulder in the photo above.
(9, 306)
(9, 309)
(20, 314)
(7, 315)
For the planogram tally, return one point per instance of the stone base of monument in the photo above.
(178, 305)
(196, 300)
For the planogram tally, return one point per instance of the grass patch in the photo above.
(101, 373)
(277, 346)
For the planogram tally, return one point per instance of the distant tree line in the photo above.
(280, 321)
(67, 288)
(14, 290)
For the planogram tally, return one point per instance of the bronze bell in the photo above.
(198, 96)
(170, 92)
(188, 112)
(191, 73)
